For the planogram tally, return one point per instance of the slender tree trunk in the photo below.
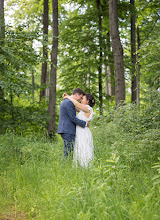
(107, 82)
(133, 54)
(89, 76)
(33, 85)
(47, 82)
(138, 68)
(89, 66)
(117, 53)
(89, 81)
(109, 73)
(2, 23)
(107, 70)
(54, 53)
(111, 67)
(45, 51)
(2, 36)
(100, 58)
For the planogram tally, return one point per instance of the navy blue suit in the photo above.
(67, 125)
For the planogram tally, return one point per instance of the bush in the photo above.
(23, 119)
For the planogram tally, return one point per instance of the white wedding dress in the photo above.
(83, 149)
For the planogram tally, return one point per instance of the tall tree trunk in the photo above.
(2, 36)
(89, 66)
(117, 53)
(100, 57)
(109, 73)
(45, 51)
(138, 68)
(107, 80)
(111, 67)
(133, 54)
(2, 23)
(33, 85)
(54, 53)
(47, 83)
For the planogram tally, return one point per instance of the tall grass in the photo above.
(120, 183)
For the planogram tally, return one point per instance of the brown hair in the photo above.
(91, 100)
(79, 91)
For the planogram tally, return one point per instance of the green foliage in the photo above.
(156, 178)
(23, 120)
(26, 12)
(79, 47)
(139, 125)
(150, 63)
(77, 60)
(148, 22)
(17, 61)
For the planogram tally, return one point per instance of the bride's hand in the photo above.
(65, 95)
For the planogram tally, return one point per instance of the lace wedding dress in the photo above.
(83, 150)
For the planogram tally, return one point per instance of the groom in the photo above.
(68, 121)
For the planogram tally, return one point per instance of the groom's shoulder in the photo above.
(66, 102)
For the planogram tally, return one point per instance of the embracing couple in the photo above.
(73, 129)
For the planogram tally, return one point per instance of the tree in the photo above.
(133, 54)
(117, 53)
(100, 55)
(54, 53)
(2, 35)
(138, 67)
(45, 51)
(109, 73)
(2, 24)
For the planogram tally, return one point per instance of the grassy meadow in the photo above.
(123, 181)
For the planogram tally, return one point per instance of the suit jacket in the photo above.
(67, 118)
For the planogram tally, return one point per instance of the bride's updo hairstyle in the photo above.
(91, 99)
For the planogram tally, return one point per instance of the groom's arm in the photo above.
(71, 113)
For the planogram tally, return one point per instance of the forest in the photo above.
(110, 49)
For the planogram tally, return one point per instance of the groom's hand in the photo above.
(87, 125)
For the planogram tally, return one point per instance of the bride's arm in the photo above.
(77, 104)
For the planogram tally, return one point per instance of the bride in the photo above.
(83, 150)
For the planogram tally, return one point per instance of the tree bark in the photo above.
(45, 51)
(117, 53)
(33, 85)
(54, 53)
(2, 23)
(133, 54)
(100, 57)
(109, 73)
(47, 83)
(2, 36)
(138, 68)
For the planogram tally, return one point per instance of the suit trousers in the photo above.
(69, 140)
